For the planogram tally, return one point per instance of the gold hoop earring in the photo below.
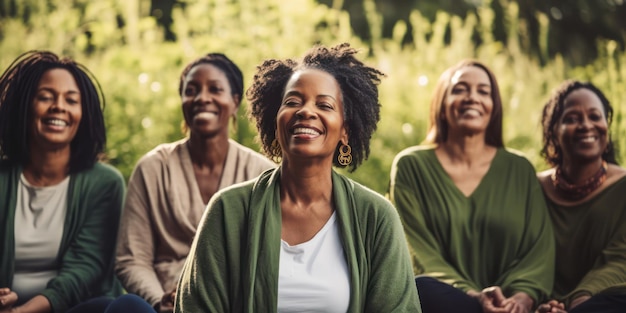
(345, 155)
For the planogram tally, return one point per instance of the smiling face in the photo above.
(582, 130)
(57, 110)
(310, 119)
(208, 103)
(468, 101)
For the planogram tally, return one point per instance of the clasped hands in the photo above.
(8, 298)
(493, 300)
(554, 306)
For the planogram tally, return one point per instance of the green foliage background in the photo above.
(122, 45)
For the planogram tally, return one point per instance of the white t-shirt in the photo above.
(313, 276)
(39, 220)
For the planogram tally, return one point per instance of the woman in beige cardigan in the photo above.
(170, 186)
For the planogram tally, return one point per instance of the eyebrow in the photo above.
(299, 94)
(48, 89)
(467, 84)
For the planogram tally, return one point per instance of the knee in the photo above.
(129, 303)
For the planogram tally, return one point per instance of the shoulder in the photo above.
(246, 189)
(370, 200)
(515, 160)
(161, 154)
(545, 180)
(102, 173)
(412, 156)
(234, 199)
(514, 155)
(415, 152)
(615, 173)
(251, 157)
(545, 177)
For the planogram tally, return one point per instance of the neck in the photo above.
(207, 152)
(465, 149)
(46, 168)
(305, 185)
(577, 172)
(580, 180)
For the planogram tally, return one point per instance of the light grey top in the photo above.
(39, 220)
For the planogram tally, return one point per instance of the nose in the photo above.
(585, 123)
(203, 96)
(472, 96)
(58, 105)
(305, 112)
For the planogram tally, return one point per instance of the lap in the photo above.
(439, 297)
(130, 303)
(602, 303)
(93, 305)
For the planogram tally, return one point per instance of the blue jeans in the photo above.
(93, 305)
(129, 303)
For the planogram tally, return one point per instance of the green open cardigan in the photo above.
(233, 264)
(87, 251)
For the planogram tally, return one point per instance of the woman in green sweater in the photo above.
(473, 212)
(59, 207)
(585, 193)
(303, 238)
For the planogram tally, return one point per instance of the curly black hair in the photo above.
(359, 88)
(18, 85)
(552, 112)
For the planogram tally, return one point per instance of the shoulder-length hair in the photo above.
(18, 85)
(438, 128)
(553, 111)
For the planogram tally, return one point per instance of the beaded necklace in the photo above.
(577, 192)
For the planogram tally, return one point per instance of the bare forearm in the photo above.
(38, 304)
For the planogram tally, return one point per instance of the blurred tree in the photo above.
(574, 25)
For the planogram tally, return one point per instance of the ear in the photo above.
(237, 99)
(344, 135)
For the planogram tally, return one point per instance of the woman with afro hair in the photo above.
(303, 237)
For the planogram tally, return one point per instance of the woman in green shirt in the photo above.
(473, 212)
(301, 237)
(59, 207)
(585, 193)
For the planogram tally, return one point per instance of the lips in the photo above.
(55, 122)
(470, 112)
(305, 131)
(587, 139)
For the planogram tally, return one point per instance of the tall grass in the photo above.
(139, 71)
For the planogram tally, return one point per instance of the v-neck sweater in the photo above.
(499, 235)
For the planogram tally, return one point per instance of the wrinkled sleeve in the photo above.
(532, 271)
(391, 284)
(206, 280)
(136, 246)
(86, 261)
(405, 194)
(609, 269)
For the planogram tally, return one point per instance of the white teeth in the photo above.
(306, 131)
(57, 122)
(588, 139)
(471, 112)
(205, 115)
